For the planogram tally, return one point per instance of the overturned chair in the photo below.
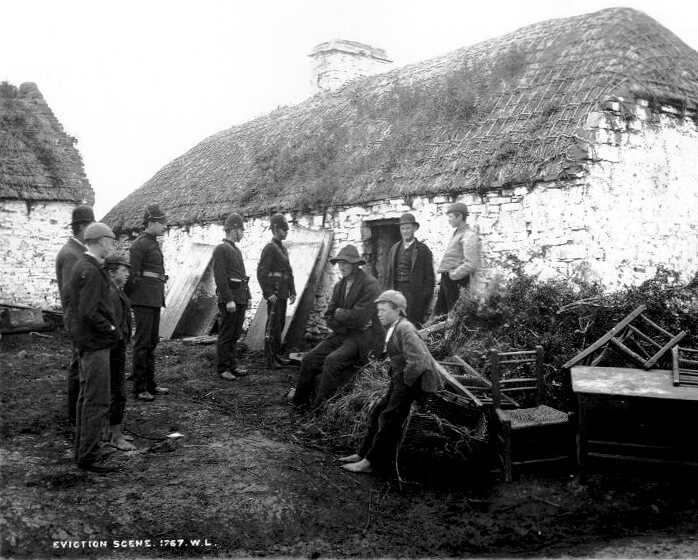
(523, 430)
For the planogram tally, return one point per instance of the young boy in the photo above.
(118, 269)
(412, 373)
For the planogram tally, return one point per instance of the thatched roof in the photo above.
(510, 110)
(38, 160)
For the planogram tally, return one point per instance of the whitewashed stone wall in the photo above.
(30, 238)
(634, 210)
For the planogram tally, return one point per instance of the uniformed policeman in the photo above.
(275, 277)
(146, 289)
(233, 296)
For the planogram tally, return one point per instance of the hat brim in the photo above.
(416, 224)
(335, 260)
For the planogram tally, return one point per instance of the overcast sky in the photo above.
(139, 82)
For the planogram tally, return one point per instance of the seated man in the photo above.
(413, 372)
(356, 333)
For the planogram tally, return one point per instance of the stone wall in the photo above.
(633, 210)
(31, 234)
(337, 62)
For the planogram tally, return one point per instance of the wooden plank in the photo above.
(201, 313)
(183, 287)
(455, 384)
(307, 250)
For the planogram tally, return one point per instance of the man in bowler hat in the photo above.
(356, 333)
(146, 289)
(411, 270)
(69, 254)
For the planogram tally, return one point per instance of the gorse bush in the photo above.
(564, 316)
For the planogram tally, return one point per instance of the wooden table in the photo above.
(651, 399)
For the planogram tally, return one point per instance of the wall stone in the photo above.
(30, 238)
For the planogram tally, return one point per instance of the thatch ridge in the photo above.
(38, 160)
(510, 110)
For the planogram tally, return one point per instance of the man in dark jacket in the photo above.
(411, 270)
(146, 289)
(233, 296)
(356, 333)
(69, 254)
(118, 269)
(93, 326)
(275, 277)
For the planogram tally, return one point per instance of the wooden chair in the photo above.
(636, 339)
(534, 433)
(685, 366)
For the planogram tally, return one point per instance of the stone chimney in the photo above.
(337, 62)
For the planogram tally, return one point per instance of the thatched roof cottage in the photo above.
(573, 141)
(42, 179)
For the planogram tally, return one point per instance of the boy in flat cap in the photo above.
(411, 270)
(275, 277)
(413, 372)
(94, 330)
(356, 333)
(118, 269)
(146, 289)
(460, 261)
(233, 296)
(69, 254)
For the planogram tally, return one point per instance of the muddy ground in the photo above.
(250, 479)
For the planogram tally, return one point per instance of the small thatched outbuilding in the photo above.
(573, 141)
(42, 179)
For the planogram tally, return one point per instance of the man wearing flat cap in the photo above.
(411, 270)
(69, 254)
(356, 333)
(413, 373)
(94, 330)
(233, 294)
(146, 289)
(275, 277)
(460, 262)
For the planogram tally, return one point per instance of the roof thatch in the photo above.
(508, 110)
(38, 160)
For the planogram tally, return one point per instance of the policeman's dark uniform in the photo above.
(275, 277)
(231, 285)
(146, 290)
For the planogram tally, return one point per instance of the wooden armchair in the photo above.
(534, 432)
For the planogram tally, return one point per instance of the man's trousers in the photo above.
(229, 331)
(93, 405)
(144, 343)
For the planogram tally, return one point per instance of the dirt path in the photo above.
(248, 479)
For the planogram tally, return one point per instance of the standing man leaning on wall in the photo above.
(146, 289)
(69, 254)
(275, 277)
(411, 270)
(460, 261)
(233, 296)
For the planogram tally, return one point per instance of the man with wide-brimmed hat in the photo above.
(69, 254)
(460, 262)
(275, 277)
(356, 333)
(146, 289)
(411, 270)
(94, 330)
(233, 296)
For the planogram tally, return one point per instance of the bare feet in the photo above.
(362, 466)
(350, 458)
(121, 444)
